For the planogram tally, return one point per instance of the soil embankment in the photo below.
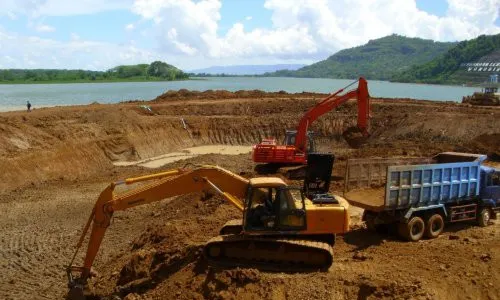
(57, 142)
(56, 161)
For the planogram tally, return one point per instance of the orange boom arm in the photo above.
(171, 183)
(331, 102)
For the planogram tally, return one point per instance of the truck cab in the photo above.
(490, 187)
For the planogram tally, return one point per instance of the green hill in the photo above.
(155, 71)
(468, 62)
(378, 59)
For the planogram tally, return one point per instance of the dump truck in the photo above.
(417, 197)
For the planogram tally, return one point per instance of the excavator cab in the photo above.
(274, 208)
(290, 136)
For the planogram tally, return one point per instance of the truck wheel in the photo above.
(484, 217)
(434, 226)
(413, 230)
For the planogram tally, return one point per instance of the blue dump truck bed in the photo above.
(381, 184)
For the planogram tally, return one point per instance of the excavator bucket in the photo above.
(355, 137)
(75, 293)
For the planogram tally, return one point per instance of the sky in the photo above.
(192, 34)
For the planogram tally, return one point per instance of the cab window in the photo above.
(292, 213)
(275, 209)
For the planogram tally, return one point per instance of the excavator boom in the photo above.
(270, 152)
(331, 102)
(169, 184)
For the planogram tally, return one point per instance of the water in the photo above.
(14, 97)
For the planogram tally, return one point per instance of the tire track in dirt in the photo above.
(38, 236)
(40, 227)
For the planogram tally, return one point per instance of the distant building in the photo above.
(494, 78)
(492, 86)
(488, 96)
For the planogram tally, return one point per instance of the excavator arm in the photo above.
(331, 102)
(168, 184)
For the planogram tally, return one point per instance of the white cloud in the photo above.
(11, 15)
(306, 29)
(33, 52)
(74, 37)
(183, 27)
(187, 33)
(44, 28)
(36, 8)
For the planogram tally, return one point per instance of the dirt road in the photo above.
(55, 162)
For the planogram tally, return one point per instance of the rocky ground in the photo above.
(56, 161)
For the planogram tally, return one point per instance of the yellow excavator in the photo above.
(281, 229)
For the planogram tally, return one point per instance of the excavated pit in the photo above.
(56, 161)
(77, 142)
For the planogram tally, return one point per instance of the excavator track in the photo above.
(268, 253)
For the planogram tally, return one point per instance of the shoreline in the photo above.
(202, 78)
(14, 96)
(213, 96)
(88, 81)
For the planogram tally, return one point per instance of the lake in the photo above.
(14, 96)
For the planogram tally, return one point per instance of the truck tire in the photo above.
(483, 218)
(413, 230)
(434, 226)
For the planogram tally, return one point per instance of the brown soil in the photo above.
(369, 198)
(55, 162)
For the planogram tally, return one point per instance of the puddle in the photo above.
(158, 161)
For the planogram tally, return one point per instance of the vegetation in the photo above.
(216, 75)
(156, 71)
(378, 59)
(447, 68)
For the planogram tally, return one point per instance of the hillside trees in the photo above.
(158, 70)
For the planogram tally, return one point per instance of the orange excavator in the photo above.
(280, 227)
(298, 143)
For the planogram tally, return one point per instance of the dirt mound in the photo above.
(224, 94)
(364, 288)
(172, 243)
(489, 144)
(486, 99)
(223, 284)
(208, 94)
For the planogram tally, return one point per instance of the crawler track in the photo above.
(268, 253)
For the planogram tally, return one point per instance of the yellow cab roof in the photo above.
(267, 182)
